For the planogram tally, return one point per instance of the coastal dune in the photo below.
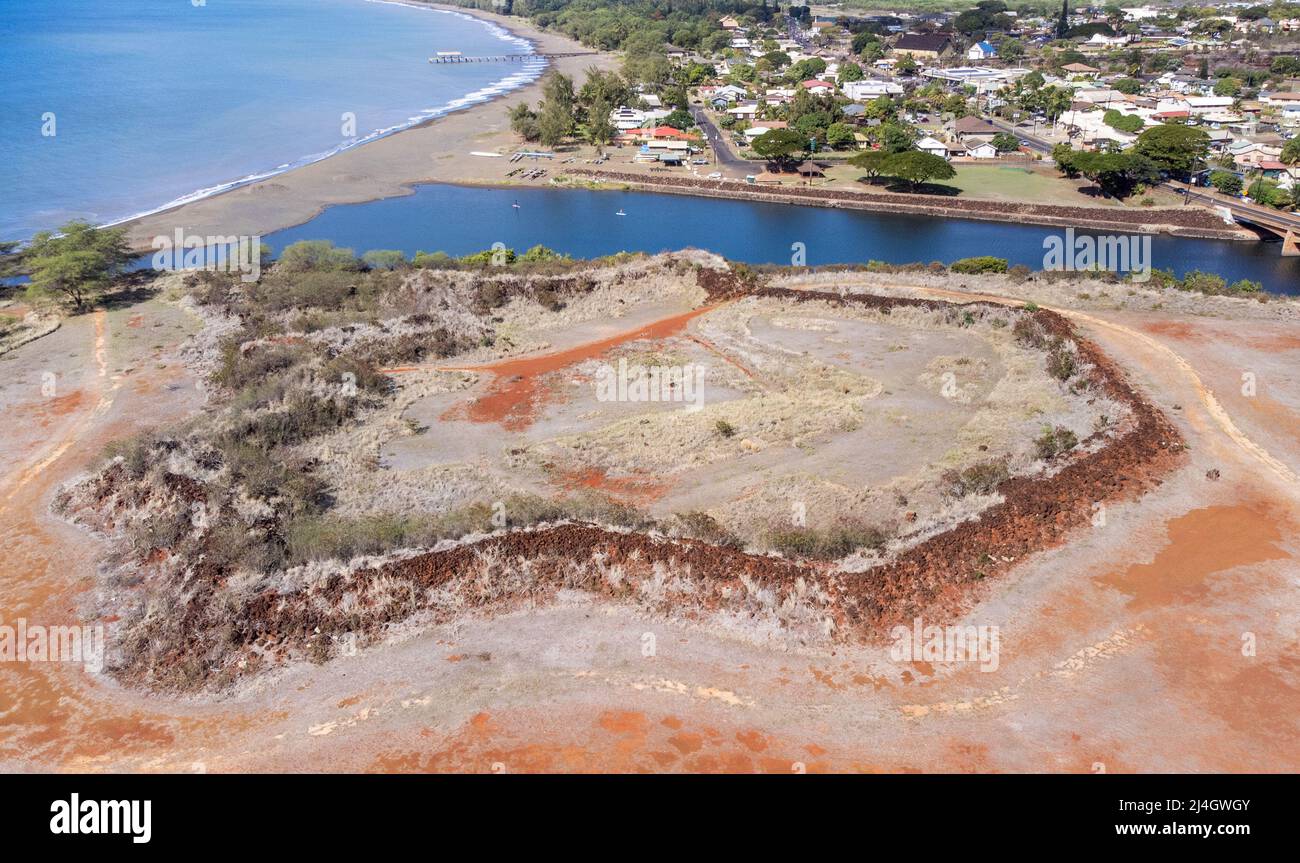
(440, 150)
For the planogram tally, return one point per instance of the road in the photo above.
(1034, 142)
(726, 159)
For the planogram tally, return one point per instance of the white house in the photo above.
(933, 146)
(981, 148)
(818, 88)
(866, 90)
(624, 118)
(981, 51)
(744, 111)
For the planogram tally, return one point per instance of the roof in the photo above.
(1079, 67)
(813, 82)
(935, 42)
(664, 132)
(972, 126)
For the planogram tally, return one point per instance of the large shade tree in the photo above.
(77, 264)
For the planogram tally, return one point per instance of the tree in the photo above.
(916, 167)
(1175, 149)
(1266, 193)
(872, 162)
(781, 146)
(896, 137)
(1123, 122)
(1005, 142)
(523, 122)
(1063, 24)
(1291, 152)
(850, 71)
(840, 136)
(600, 131)
(906, 65)
(322, 255)
(778, 59)
(9, 258)
(1226, 182)
(1054, 101)
(1227, 87)
(78, 263)
(680, 118)
(383, 259)
(1116, 174)
(555, 122)
(1064, 156)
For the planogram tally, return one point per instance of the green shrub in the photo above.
(833, 543)
(1061, 363)
(1055, 441)
(978, 265)
(320, 255)
(704, 527)
(983, 477)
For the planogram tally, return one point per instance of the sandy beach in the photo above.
(437, 151)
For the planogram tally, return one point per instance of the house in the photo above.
(762, 127)
(818, 88)
(1280, 100)
(744, 111)
(1080, 69)
(728, 93)
(972, 126)
(625, 119)
(868, 89)
(924, 46)
(729, 23)
(981, 148)
(932, 146)
(981, 51)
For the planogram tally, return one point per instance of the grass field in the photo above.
(1001, 183)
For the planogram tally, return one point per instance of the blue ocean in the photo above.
(114, 108)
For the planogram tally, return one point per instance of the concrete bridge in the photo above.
(1284, 225)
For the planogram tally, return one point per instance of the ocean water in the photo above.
(582, 223)
(155, 102)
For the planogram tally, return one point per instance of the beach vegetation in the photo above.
(978, 265)
(317, 255)
(384, 259)
(77, 264)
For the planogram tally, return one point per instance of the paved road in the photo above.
(727, 160)
(1041, 145)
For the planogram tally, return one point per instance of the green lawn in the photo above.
(1002, 183)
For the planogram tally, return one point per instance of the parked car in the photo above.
(716, 175)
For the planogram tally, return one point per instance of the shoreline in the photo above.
(437, 150)
(448, 149)
(465, 102)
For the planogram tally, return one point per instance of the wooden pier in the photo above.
(455, 57)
